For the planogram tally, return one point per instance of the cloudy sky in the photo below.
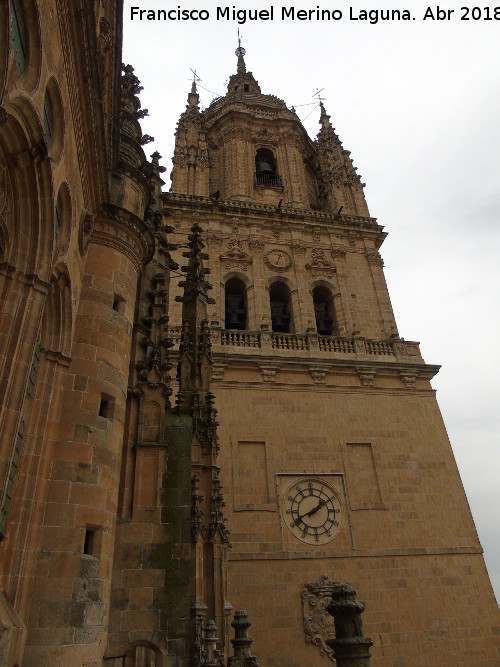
(418, 105)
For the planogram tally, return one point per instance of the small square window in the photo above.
(89, 542)
(92, 541)
(118, 304)
(107, 406)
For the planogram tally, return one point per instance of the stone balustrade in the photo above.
(387, 350)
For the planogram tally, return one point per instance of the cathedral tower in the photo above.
(334, 458)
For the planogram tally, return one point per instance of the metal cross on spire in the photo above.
(318, 96)
(239, 40)
(196, 78)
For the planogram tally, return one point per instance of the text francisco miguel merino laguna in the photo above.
(284, 13)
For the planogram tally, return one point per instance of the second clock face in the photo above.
(312, 510)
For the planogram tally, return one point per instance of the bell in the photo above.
(235, 313)
(264, 168)
(279, 317)
(323, 320)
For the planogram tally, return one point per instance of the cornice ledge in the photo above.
(229, 355)
(134, 173)
(120, 229)
(246, 207)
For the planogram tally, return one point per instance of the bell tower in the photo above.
(335, 462)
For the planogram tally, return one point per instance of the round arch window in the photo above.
(281, 310)
(53, 119)
(235, 305)
(25, 40)
(324, 311)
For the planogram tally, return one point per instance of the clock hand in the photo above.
(311, 512)
(315, 509)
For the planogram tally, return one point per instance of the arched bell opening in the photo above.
(266, 172)
(281, 308)
(324, 311)
(236, 310)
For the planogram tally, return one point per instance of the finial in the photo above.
(193, 97)
(240, 52)
(195, 79)
(324, 118)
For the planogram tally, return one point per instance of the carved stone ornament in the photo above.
(339, 251)
(408, 381)
(235, 257)
(366, 376)
(374, 257)
(85, 231)
(351, 239)
(318, 624)
(316, 234)
(213, 239)
(218, 371)
(298, 247)
(412, 349)
(319, 265)
(268, 372)
(105, 34)
(256, 244)
(278, 260)
(318, 375)
(276, 230)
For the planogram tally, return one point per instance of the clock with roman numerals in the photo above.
(312, 510)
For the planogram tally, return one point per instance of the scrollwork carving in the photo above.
(318, 624)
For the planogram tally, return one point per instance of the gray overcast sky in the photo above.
(418, 105)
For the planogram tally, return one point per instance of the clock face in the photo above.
(312, 510)
(278, 260)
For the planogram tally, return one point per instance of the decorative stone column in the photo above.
(242, 642)
(350, 647)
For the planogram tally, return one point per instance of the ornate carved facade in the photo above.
(173, 453)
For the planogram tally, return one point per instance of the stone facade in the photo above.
(299, 437)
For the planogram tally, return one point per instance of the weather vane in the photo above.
(318, 96)
(195, 75)
(240, 51)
